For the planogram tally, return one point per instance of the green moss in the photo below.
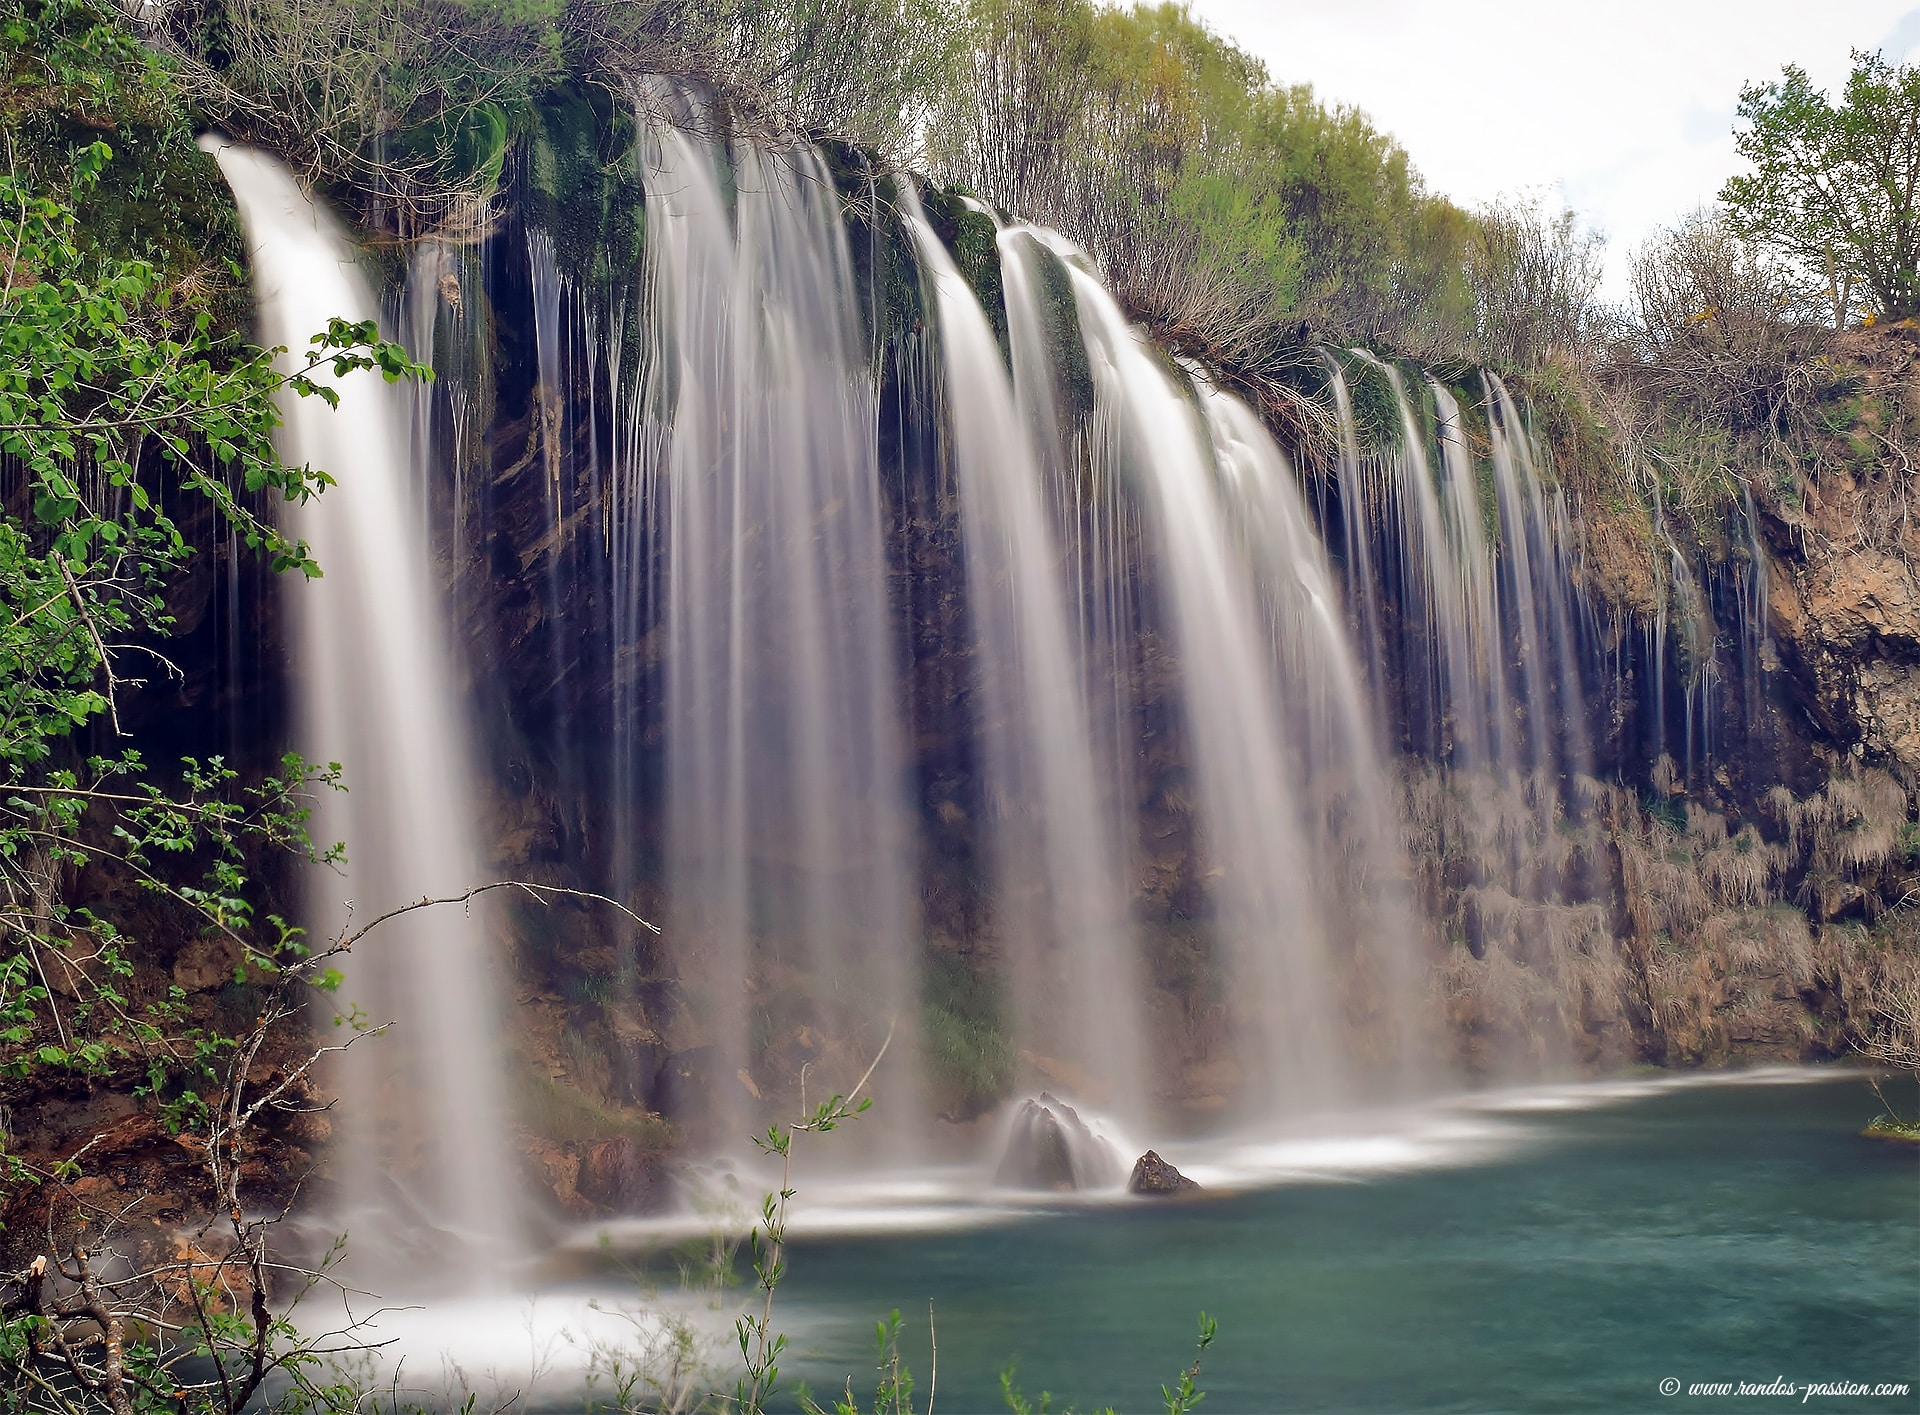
(970, 237)
(561, 1112)
(968, 1058)
(1060, 314)
(1376, 412)
(578, 182)
(74, 75)
(886, 275)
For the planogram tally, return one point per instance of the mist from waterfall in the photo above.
(421, 1154)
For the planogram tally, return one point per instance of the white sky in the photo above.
(1620, 109)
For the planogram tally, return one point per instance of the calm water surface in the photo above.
(1704, 1233)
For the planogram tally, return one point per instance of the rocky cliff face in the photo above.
(1845, 609)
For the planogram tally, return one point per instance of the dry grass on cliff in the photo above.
(1717, 386)
(1877, 973)
(1732, 986)
(1731, 965)
(1632, 930)
(1531, 974)
(1545, 990)
(1855, 432)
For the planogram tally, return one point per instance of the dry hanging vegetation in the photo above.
(1647, 927)
(405, 110)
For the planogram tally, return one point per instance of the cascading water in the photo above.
(1171, 696)
(1488, 648)
(1274, 943)
(1450, 631)
(1061, 900)
(1094, 522)
(1535, 580)
(423, 1141)
(1750, 600)
(790, 847)
(1351, 812)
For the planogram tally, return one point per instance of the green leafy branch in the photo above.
(109, 402)
(760, 1346)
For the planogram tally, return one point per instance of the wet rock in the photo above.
(638, 1056)
(1051, 1147)
(618, 1175)
(688, 1082)
(555, 1169)
(1153, 1175)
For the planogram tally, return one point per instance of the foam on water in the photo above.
(543, 1344)
(1458, 1131)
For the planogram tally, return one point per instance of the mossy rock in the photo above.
(970, 236)
(1376, 412)
(886, 275)
(1887, 1127)
(1060, 322)
(75, 75)
(579, 181)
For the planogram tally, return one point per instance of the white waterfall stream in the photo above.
(790, 845)
(1269, 927)
(1061, 897)
(421, 1155)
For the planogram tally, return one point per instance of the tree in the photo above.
(1236, 216)
(1833, 188)
(122, 402)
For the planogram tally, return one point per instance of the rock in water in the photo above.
(1153, 1175)
(1051, 1147)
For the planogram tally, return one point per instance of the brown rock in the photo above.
(620, 1176)
(205, 963)
(557, 1169)
(1153, 1175)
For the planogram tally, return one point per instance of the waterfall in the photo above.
(1060, 893)
(1334, 741)
(999, 691)
(1750, 614)
(1246, 641)
(423, 1138)
(1489, 651)
(790, 845)
(1536, 581)
(1450, 630)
